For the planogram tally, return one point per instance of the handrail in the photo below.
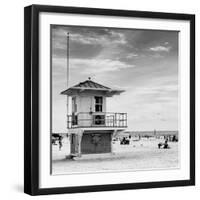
(97, 119)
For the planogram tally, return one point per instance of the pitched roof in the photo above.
(90, 84)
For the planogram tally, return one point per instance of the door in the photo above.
(74, 144)
(96, 143)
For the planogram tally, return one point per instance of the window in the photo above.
(74, 119)
(74, 110)
(98, 104)
(74, 105)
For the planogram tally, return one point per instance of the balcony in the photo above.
(97, 119)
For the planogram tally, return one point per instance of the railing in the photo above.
(97, 119)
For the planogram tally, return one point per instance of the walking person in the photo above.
(60, 143)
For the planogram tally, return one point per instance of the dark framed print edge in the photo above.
(32, 95)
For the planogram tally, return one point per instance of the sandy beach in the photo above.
(138, 155)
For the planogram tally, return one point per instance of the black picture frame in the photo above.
(31, 98)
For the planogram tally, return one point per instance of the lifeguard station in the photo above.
(91, 128)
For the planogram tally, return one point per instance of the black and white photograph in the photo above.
(109, 100)
(114, 99)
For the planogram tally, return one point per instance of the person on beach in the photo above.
(60, 143)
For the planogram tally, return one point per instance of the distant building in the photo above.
(91, 128)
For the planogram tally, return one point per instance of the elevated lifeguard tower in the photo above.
(91, 128)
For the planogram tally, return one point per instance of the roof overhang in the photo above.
(76, 90)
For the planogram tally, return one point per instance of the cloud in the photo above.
(118, 37)
(125, 59)
(86, 43)
(96, 65)
(113, 37)
(77, 50)
(160, 48)
(87, 39)
(92, 36)
(131, 55)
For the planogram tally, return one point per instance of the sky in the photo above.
(144, 63)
